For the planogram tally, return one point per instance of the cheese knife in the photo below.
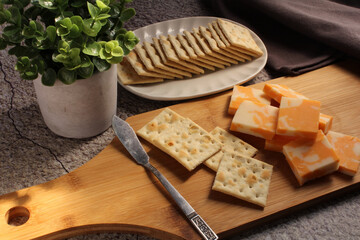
(128, 138)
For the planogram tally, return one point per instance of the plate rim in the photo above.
(131, 89)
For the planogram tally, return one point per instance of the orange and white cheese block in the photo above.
(325, 122)
(310, 159)
(347, 148)
(254, 118)
(298, 117)
(277, 91)
(241, 93)
(276, 144)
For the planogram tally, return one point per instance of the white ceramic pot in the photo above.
(82, 109)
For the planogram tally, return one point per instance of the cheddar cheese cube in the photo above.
(277, 91)
(347, 148)
(254, 118)
(241, 93)
(310, 159)
(276, 144)
(325, 122)
(298, 117)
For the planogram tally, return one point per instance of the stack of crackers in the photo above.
(237, 172)
(217, 46)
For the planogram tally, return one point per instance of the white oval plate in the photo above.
(198, 85)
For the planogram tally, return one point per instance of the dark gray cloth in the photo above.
(300, 35)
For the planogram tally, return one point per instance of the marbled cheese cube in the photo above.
(277, 91)
(347, 148)
(310, 159)
(276, 144)
(325, 122)
(241, 93)
(256, 119)
(298, 117)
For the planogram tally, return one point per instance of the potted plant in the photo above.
(70, 49)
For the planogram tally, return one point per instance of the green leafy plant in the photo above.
(65, 39)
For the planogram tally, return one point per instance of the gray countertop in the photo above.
(31, 154)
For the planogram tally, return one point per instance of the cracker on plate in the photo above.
(243, 177)
(161, 53)
(172, 56)
(225, 47)
(239, 36)
(181, 138)
(182, 53)
(207, 50)
(193, 55)
(146, 60)
(156, 59)
(193, 42)
(139, 67)
(214, 46)
(226, 42)
(127, 75)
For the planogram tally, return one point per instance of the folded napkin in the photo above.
(299, 35)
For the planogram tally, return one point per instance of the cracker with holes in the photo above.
(230, 143)
(239, 37)
(181, 138)
(139, 67)
(146, 60)
(243, 177)
(171, 55)
(127, 75)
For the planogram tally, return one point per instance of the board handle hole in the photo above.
(17, 216)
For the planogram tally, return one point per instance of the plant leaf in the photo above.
(102, 16)
(22, 64)
(101, 65)
(93, 10)
(86, 72)
(78, 3)
(49, 77)
(67, 76)
(104, 8)
(114, 60)
(117, 52)
(48, 4)
(92, 49)
(74, 32)
(127, 14)
(15, 16)
(78, 21)
(91, 28)
(51, 33)
(13, 34)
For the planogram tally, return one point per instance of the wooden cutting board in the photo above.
(112, 193)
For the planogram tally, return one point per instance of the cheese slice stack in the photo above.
(297, 129)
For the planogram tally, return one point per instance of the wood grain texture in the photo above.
(112, 193)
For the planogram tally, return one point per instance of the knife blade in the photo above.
(128, 138)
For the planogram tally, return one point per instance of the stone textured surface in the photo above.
(31, 154)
